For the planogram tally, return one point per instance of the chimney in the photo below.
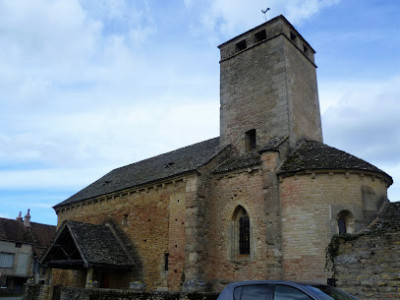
(27, 219)
(19, 218)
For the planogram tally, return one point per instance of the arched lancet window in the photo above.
(241, 235)
(342, 225)
(345, 222)
(244, 234)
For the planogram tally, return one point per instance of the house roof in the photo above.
(149, 170)
(86, 245)
(313, 155)
(43, 235)
(14, 231)
(38, 235)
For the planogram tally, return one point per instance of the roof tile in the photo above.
(98, 245)
(159, 167)
(312, 155)
(38, 235)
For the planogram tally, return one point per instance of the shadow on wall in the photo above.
(137, 271)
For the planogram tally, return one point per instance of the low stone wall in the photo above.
(114, 294)
(367, 265)
(35, 292)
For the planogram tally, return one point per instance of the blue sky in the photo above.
(88, 86)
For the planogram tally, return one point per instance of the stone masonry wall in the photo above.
(301, 79)
(270, 162)
(368, 265)
(310, 204)
(228, 191)
(253, 84)
(193, 232)
(199, 199)
(35, 292)
(154, 219)
(273, 80)
(69, 278)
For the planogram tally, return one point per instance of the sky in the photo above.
(88, 86)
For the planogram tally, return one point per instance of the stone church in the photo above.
(261, 201)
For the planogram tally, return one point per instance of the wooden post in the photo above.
(89, 278)
(48, 276)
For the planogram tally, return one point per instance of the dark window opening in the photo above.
(106, 182)
(293, 36)
(244, 234)
(241, 45)
(105, 280)
(259, 36)
(241, 233)
(331, 281)
(305, 49)
(345, 222)
(169, 165)
(342, 225)
(18, 245)
(251, 140)
(125, 220)
(166, 256)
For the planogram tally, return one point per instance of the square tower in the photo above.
(268, 88)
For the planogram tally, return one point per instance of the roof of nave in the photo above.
(313, 155)
(38, 235)
(150, 170)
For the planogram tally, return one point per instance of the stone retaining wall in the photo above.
(368, 265)
(36, 292)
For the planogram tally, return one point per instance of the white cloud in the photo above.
(365, 111)
(362, 118)
(41, 179)
(46, 31)
(118, 137)
(132, 19)
(53, 45)
(232, 16)
(99, 103)
(299, 10)
(113, 135)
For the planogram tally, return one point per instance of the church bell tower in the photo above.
(268, 88)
